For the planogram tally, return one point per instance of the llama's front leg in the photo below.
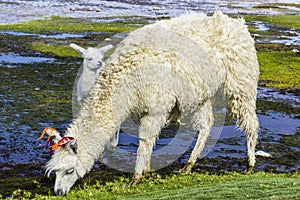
(202, 122)
(149, 130)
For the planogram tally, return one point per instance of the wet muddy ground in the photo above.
(36, 92)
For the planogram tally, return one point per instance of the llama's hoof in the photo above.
(135, 180)
(187, 169)
(249, 170)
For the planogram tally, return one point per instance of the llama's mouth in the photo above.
(60, 192)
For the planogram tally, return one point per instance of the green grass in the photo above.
(287, 21)
(193, 186)
(279, 69)
(237, 188)
(55, 49)
(69, 25)
(275, 5)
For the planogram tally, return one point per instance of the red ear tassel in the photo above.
(62, 143)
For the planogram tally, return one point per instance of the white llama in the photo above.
(93, 61)
(163, 71)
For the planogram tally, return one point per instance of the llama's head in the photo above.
(93, 57)
(93, 61)
(65, 164)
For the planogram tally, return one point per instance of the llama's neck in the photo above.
(100, 116)
(92, 134)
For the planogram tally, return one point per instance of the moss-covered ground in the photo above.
(279, 69)
(69, 25)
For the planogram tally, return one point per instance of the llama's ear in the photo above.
(79, 49)
(73, 146)
(106, 48)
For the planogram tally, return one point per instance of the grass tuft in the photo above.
(56, 50)
(279, 69)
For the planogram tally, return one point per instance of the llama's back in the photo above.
(155, 55)
(161, 39)
(227, 40)
(231, 47)
(207, 51)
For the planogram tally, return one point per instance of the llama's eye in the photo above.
(100, 63)
(70, 171)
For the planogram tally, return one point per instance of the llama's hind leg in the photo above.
(250, 125)
(243, 109)
(202, 122)
(149, 130)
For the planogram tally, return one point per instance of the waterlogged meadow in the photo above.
(38, 70)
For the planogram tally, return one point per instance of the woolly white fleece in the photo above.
(163, 71)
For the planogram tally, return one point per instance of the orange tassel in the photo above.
(62, 142)
(45, 130)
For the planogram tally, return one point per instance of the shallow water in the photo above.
(12, 58)
(53, 36)
(36, 9)
(36, 91)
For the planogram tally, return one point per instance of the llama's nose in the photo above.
(59, 192)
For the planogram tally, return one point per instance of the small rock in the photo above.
(296, 51)
(263, 154)
(98, 10)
